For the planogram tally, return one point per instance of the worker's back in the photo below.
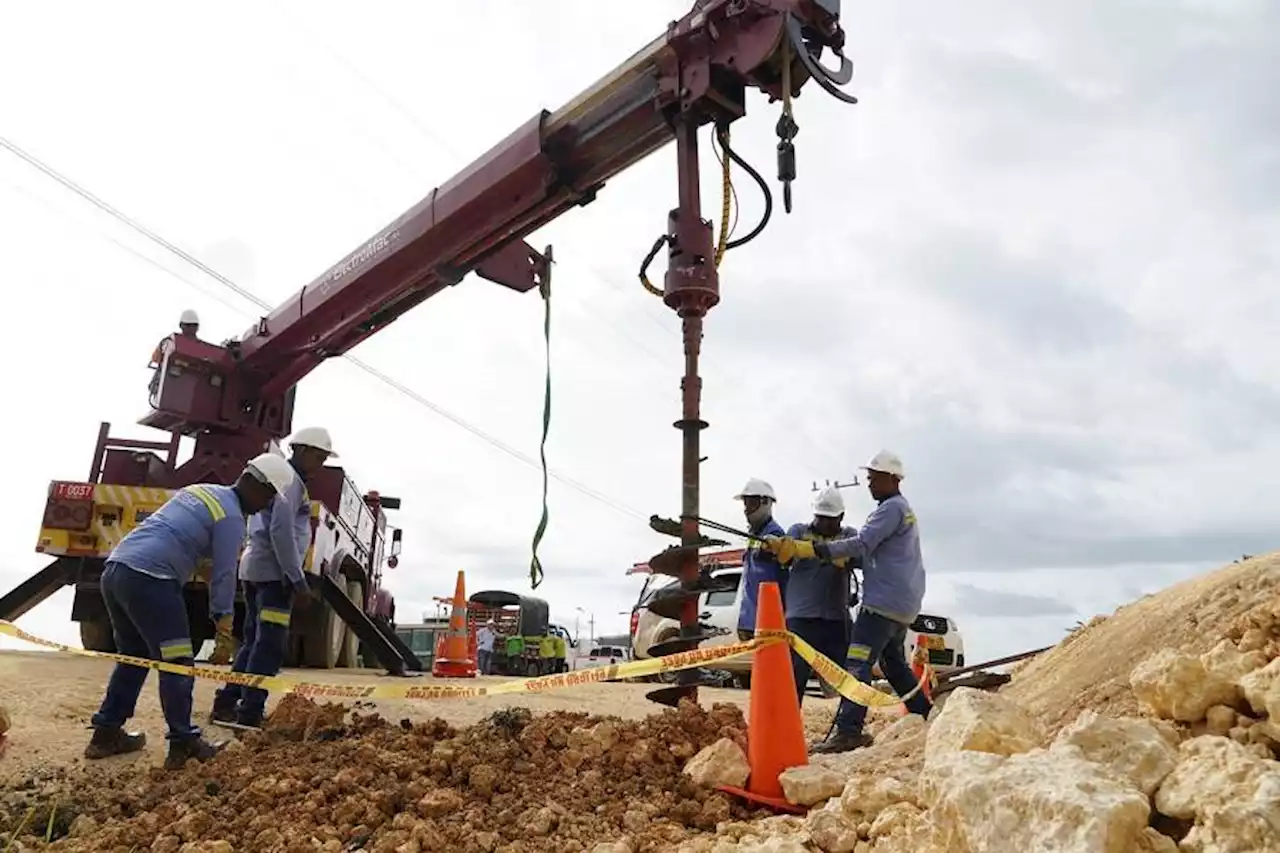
(169, 542)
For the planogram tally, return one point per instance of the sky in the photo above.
(1036, 260)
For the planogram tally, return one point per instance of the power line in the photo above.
(258, 301)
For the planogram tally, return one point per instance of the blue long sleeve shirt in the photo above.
(278, 539)
(199, 522)
(888, 545)
(818, 588)
(759, 565)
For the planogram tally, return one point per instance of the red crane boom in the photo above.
(237, 397)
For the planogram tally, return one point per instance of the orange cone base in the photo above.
(448, 668)
(775, 803)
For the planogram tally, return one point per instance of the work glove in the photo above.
(787, 549)
(224, 644)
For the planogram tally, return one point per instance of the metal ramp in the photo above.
(397, 658)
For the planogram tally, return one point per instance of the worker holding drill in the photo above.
(758, 564)
(142, 588)
(888, 546)
(274, 583)
(818, 587)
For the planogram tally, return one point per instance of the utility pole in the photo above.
(836, 485)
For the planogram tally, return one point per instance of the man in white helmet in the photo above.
(888, 547)
(188, 327)
(818, 587)
(759, 564)
(142, 587)
(274, 583)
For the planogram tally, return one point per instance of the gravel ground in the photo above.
(51, 697)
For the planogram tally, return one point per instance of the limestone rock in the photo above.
(832, 832)
(1220, 720)
(1232, 795)
(1151, 841)
(868, 795)
(898, 819)
(6, 722)
(810, 783)
(1042, 801)
(1177, 686)
(977, 721)
(1262, 688)
(613, 847)
(722, 763)
(1131, 747)
(773, 844)
(1230, 662)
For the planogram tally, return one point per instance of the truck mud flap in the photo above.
(391, 653)
(37, 588)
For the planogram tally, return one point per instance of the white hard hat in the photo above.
(189, 317)
(317, 437)
(886, 462)
(829, 503)
(756, 489)
(272, 470)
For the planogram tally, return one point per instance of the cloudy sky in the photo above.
(1034, 260)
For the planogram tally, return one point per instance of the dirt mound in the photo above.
(322, 777)
(1090, 669)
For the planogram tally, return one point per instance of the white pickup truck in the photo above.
(939, 635)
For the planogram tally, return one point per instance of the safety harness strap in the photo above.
(535, 565)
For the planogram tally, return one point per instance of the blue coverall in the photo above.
(271, 572)
(142, 589)
(759, 565)
(893, 584)
(818, 603)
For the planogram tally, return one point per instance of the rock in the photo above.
(977, 721)
(1262, 689)
(774, 844)
(6, 721)
(1177, 686)
(1040, 800)
(1131, 747)
(1253, 640)
(1220, 720)
(895, 820)
(440, 802)
(868, 795)
(722, 763)
(810, 783)
(1230, 662)
(613, 847)
(82, 827)
(1232, 795)
(1151, 841)
(831, 832)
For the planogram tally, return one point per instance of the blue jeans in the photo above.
(827, 636)
(485, 658)
(268, 609)
(878, 638)
(149, 620)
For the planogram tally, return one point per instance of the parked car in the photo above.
(938, 635)
(602, 656)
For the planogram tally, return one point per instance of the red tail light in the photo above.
(635, 621)
(69, 506)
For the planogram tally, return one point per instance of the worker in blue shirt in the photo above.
(274, 583)
(758, 564)
(142, 587)
(818, 587)
(888, 546)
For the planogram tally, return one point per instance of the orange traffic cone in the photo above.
(775, 729)
(924, 675)
(454, 659)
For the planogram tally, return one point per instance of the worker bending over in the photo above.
(274, 583)
(818, 587)
(142, 588)
(758, 564)
(888, 546)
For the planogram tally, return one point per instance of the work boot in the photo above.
(839, 741)
(182, 751)
(108, 742)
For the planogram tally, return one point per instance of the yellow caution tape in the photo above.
(826, 669)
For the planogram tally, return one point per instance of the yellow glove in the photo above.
(787, 549)
(224, 644)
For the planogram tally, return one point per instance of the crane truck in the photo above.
(236, 399)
